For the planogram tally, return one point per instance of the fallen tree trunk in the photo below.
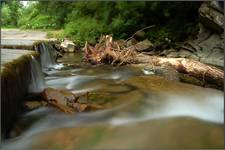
(108, 51)
(193, 68)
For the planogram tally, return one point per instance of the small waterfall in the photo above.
(48, 57)
(37, 83)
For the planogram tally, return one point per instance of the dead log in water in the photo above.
(204, 72)
(108, 51)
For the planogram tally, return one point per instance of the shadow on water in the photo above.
(140, 109)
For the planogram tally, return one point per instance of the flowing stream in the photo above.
(37, 83)
(47, 55)
(143, 110)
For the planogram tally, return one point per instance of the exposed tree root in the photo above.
(108, 51)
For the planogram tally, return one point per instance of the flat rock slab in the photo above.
(20, 34)
(12, 42)
(16, 37)
(9, 55)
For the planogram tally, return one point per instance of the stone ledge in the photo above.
(15, 79)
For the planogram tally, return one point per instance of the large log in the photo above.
(194, 68)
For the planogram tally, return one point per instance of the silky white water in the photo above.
(48, 56)
(37, 83)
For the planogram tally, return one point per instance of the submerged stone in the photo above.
(67, 101)
(59, 97)
(35, 104)
(68, 46)
(145, 45)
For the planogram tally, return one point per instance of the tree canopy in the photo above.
(87, 20)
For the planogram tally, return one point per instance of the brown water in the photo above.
(143, 110)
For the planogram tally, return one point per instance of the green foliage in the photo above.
(177, 21)
(10, 12)
(84, 29)
(38, 16)
(87, 20)
(27, 15)
(41, 22)
(5, 19)
(59, 34)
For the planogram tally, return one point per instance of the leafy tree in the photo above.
(11, 11)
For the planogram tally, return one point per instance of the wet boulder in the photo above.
(211, 16)
(218, 5)
(62, 96)
(34, 104)
(80, 107)
(66, 101)
(68, 46)
(208, 47)
(140, 35)
(61, 99)
(145, 45)
(131, 42)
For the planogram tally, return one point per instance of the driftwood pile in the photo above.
(108, 51)
(112, 52)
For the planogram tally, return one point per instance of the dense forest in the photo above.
(81, 21)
